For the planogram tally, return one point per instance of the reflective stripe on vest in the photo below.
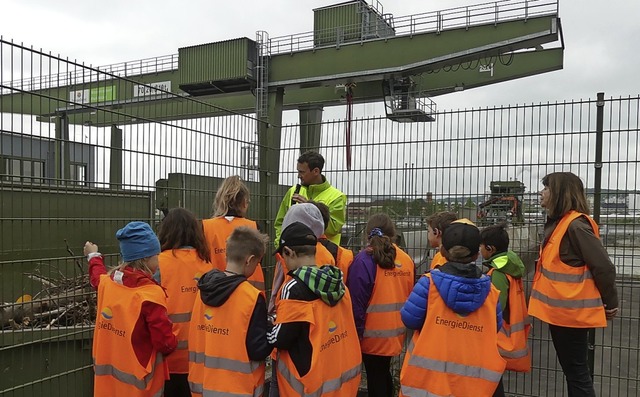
(514, 354)
(130, 379)
(384, 308)
(514, 328)
(455, 368)
(414, 392)
(327, 386)
(569, 304)
(387, 333)
(223, 363)
(197, 388)
(566, 278)
(180, 317)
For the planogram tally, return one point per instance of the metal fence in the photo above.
(77, 167)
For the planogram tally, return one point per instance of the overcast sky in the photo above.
(600, 37)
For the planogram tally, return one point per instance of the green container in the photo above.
(224, 66)
(349, 22)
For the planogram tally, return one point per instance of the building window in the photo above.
(78, 174)
(21, 170)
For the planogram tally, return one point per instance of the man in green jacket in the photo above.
(314, 186)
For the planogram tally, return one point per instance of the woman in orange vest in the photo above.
(183, 260)
(380, 281)
(456, 309)
(133, 330)
(506, 271)
(228, 332)
(574, 287)
(230, 209)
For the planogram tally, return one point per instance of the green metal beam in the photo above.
(420, 55)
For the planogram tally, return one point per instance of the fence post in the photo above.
(597, 200)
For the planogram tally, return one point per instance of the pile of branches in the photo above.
(62, 301)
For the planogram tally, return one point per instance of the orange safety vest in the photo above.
(218, 359)
(343, 257)
(565, 295)
(438, 260)
(117, 369)
(323, 257)
(454, 355)
(216, 232)
(180, 270)
(513, 336)
(383, 329)
(335, 360)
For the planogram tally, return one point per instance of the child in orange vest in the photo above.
(342, 256)
(380, 281)
(228, 331)
(436, 225)
(183, 260)
(133, 330)
(506, 270)
(452, 303)
(230, 209)
(318, 350)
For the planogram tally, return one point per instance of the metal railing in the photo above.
(434, 21)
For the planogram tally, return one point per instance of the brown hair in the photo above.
(382, 249)
(459, 254)
(324, 212)
(440, 220)
(313, 160)
(180, 228)
(245, 241)
(566, 193)
(230, 196)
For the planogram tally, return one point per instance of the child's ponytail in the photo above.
(380, 234)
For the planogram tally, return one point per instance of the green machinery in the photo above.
(505, 204)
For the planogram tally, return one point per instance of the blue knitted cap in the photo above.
(137, 241)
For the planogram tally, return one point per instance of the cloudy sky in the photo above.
(601, 52)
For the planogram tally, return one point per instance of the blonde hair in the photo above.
(566, 193)
(230, 196)
(138, 264)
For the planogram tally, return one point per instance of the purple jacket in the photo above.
(361, 279)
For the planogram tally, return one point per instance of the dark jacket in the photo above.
(581, 246)
(463, 288)
(215, 289)
(307, 283)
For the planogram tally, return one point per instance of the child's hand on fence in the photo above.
(89, 248)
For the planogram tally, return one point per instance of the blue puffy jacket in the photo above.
(461, 294)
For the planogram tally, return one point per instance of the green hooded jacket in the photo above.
(504, 263)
